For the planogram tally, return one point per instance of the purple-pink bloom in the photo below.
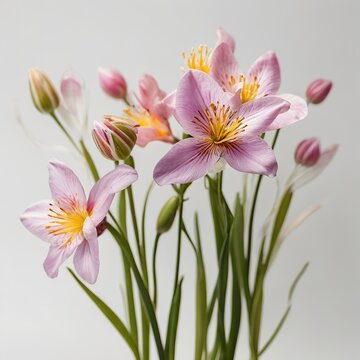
(318, 91)
(262, 79)
(112, 82)
(219, 129)
(69, 221)
(307, 152)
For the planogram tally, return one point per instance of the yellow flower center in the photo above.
(145, 119)
(249, 90)
(225, 127)
(199, 60)
(68, 223)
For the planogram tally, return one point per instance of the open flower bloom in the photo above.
(219, 130)
(68, 222)
(72, 104)
(263, 79)
(151, 115)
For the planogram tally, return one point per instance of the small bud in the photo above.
(100, 229)
(42, 91)
(112, 82)
(318, 90)
(308, 152)
(167, 215)
(114, 137)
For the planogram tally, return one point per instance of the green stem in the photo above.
(65, 132)
(89, 161)
(154, 268)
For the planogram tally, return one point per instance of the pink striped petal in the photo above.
(188, 160)
(66, 189)
(86, 258)
(298, 110)
(224, 66)
(56, 257)
(260, 113)
(103, 192)
(267, 71)
(196, 91)
(254, 156)
(225, 37)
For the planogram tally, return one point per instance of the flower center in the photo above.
(199, 60)
(249, 90)
(145, 119)
(67, 223)
(225, 127)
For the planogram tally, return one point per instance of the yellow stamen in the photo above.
(198, 60)
(225, 127)
(249, 90)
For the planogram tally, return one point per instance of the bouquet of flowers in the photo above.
(229, 117)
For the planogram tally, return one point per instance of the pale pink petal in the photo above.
(56, 256)
(103, 192)
(224, 67)
(306, 174)
(148, 134)
(298, 110)
(260, 113)
(254, 156)
(188, 160)
(66, 189)
(86, 258)
(36, 219)
(150, 93)
(196, 91)
(267, 71)
(225, 37)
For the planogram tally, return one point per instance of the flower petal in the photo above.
(150, 93)
(86, 258)
(103, 192)
(254, 156)
(196, 91)
(267, 71)
(304, 174)
(298, 110)
(65, 187)
(260, 113)
(36, 218)
(147, 134)
(225, 37)
(188, 160)
(56, 256)
(224, 67)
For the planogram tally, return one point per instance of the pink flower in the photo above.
(262, 79)
(69, 221)
(152, 113)
(318, 91)
(219, 130)
(112, 82)
(307, 152)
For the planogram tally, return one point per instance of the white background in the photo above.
(44, 319)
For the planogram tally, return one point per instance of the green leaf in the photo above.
(173, 323)
(110, 314)
(287, 311)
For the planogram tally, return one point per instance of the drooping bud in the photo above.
(114, 137)
(308, 152)
(112, 82)
(318, 90)
(43, 93)
(167, 215)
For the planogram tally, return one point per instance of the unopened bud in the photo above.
(167, 215)
(112, 82)
(308, 152)
(114, 137)
(318, 90)
(100, 229)
(42, 91)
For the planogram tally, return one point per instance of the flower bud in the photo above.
(112, 82)
(318, 90)
(167, 215)
(114, 137)
(308, 152)
(100, 229)
(42, 91)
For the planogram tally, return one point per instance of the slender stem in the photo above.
(89, 161)
(154, 268)
(65, 132)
